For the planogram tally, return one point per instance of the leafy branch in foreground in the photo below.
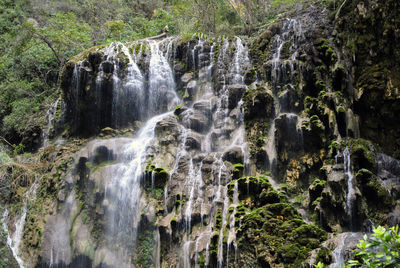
(380, 250)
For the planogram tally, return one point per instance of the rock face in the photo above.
(245, 154)
(106, 87)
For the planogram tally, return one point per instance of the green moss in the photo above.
(334, 144)
(157, 193)
(177, 111)
(361, 154)
(218, 219)
(146, 244)
(83, 56)
(250, 76)
(278, 228)
(84, 216)
(238, 166)
(99, 166)
(249, 186)
(340, 109)
(269, 196)
(149, 167)
(201, 260)
(372, 190)
(324, 256)
(285, 51)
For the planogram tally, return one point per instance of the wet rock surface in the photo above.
(270, 146)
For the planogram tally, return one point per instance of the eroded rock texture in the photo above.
(211, 152)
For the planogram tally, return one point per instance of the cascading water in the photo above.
(14, 240)
(350, 186)
(208, 134)
(232, 220)
(283, 65)
(123, 192)
(129, 96)
(345, 243)
(230, 135)
(162, 95)
(50, 117)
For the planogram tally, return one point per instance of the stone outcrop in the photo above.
(243, 154)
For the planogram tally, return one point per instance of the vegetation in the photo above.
(38, 37)
(381, 249)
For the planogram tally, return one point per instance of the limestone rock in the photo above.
(233, 155)
(196, 120)
(235, 94)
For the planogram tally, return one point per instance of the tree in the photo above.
(116, 27)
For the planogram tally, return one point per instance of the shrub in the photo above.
(381, 249)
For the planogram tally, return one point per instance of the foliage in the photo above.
(145, 249)
(381, 249)
(37, 37)
(115, 27)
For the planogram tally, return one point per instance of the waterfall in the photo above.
(125, 186)
(345, 243)
(136, 82)
(50, 117)
(232, 232)
(76, 88)
(350, 186)
(14, 240)
(282, 76)
(129, 95)
(231, 135)
(162, 94)
(132, 99)
(337, 254)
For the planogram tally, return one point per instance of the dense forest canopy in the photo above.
(38, 37)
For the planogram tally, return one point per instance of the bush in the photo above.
(381, 249)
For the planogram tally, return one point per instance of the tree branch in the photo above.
(7, 142)
(47, 42)
(340, 8)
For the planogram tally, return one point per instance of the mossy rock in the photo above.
(278, 234)
(376, 196)
(362, 155)
(258, 103)
(250, 76)
(249, 187)
(156, 177)
(178, 110)
(316, 189)
(238, 170)
(324, 256)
